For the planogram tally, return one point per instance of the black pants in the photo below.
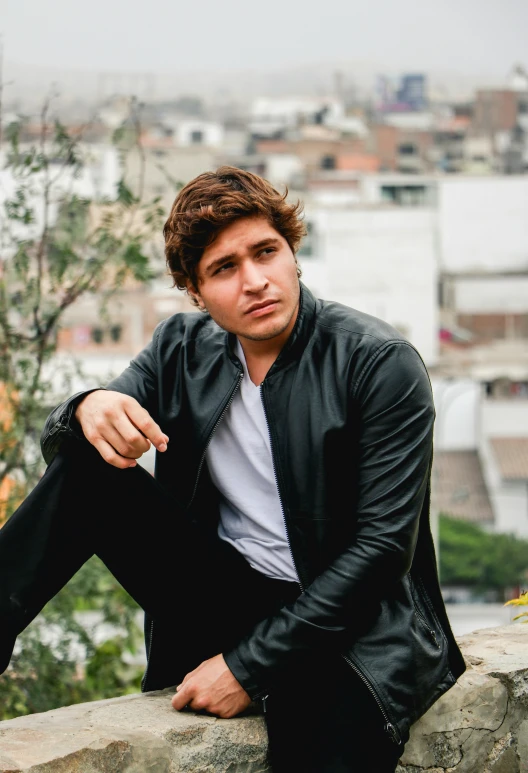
(321, 720)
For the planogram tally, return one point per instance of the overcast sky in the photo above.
(472, 36)
(230, 48)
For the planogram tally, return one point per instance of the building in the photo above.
(480, 470)
(375, 259)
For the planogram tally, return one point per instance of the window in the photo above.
(307, 248)
(97, 335)
(197, 137)
(407, 149)
(407, 195)
(328, 162)
(116, 332)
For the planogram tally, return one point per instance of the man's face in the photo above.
(247, 281)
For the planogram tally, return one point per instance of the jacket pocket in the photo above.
(423, 610)
(404, 653)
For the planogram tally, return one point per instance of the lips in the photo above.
(262, 306)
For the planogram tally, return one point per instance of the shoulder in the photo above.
(374, 349)
(186, 328)
(337, 319)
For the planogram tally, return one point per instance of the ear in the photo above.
(195, 295)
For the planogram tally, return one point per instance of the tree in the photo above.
(57, 245)
(483, 561)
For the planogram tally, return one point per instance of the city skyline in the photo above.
(459, 45)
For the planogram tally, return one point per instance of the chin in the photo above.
(265, 334)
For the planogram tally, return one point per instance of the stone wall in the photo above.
(479, 726)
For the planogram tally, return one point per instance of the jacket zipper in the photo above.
(391, 729)
(431, 610)
(144, 679)
(202, 459)
(261, 696)
(62, 423)
(299, 581)
(417, 611)
(425, 624)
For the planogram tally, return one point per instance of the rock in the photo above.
(134, 734)
(479, 726)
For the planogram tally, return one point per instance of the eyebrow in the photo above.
(269, 241)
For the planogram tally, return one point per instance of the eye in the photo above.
(221, 269)
(268, 250)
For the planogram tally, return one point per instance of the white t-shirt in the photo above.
(241, 467)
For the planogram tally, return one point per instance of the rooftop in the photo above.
(458, 487)
(512, 457)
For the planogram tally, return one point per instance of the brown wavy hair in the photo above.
(214, 200)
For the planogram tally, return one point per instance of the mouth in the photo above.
(265, 307)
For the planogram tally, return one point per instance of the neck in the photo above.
(260, 356)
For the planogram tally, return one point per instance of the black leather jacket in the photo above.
(350, 413)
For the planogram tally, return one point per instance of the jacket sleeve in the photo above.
(139, 380)
(396, 416)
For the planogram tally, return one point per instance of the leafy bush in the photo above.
(473, 557)
(55, 248)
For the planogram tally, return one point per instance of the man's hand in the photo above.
(213, 688)
(118, 427)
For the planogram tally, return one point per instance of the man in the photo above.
(283, 552)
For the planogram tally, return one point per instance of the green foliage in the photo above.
(470, 556)
(43, 676)
(56, 247)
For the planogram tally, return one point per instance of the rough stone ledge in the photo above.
(479, 726)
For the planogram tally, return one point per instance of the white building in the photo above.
(477, 237)
(381, 261)
(518, 79)
(503, 449)
(194, 131)
(481, 454)
(411, 121)
(271, 117)
(483, 223)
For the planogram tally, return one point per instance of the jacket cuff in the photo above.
(60, 424)
(242, 675)
(71, 423)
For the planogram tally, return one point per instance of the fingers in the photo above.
(110, 455)
(119, 427)
(181, 698)
(146, 425)
(126, 439)
(199, 699)
(211, 687)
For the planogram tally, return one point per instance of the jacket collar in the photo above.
(299, 337)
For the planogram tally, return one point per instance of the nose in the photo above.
(254, 279)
